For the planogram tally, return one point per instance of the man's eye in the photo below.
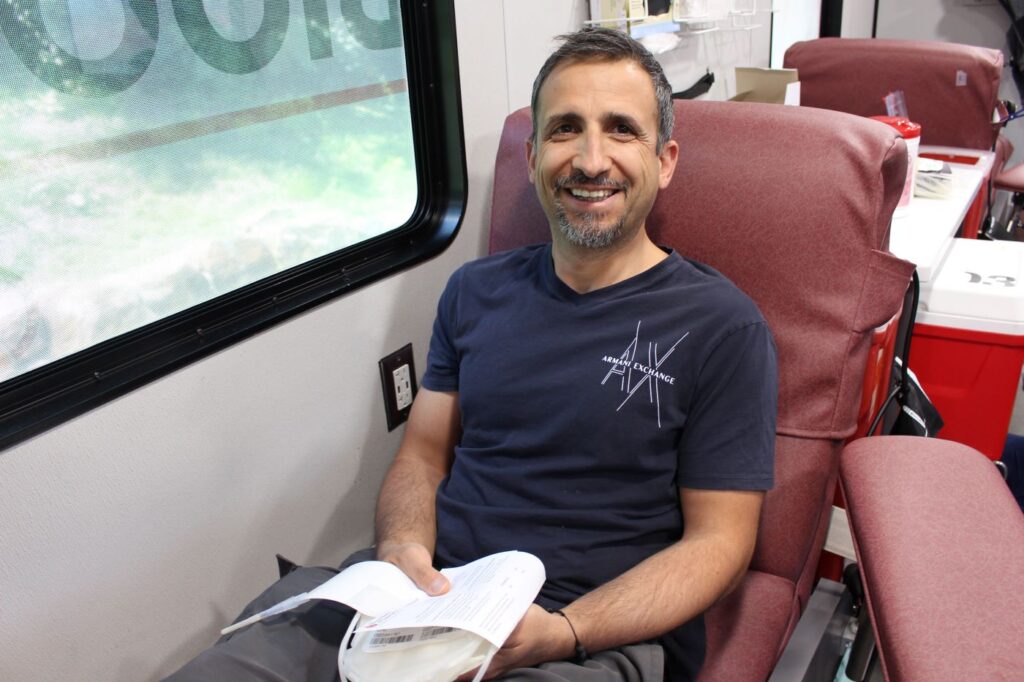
(623, 129)
(563, 129)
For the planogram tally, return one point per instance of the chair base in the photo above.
(816, 647)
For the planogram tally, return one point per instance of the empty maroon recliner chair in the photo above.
(940, 546)
(952, 90)
(793, 204)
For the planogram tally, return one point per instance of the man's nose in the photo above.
(592, 156)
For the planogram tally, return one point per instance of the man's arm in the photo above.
(681, 581)
(658, 594)
(406, 527)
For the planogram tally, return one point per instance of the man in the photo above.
(585, 397)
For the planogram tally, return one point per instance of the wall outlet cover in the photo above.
(398, 381)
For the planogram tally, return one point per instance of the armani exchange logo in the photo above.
(635, 374)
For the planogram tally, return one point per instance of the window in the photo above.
(176, 175)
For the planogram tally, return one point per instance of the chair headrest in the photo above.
(950, 89)
(793, 205)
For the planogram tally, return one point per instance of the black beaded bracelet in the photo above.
(581, 651)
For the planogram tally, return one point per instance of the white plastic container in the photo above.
(968, 344)
(911, 133)
(979, 286)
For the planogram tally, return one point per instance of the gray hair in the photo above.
(593, 43)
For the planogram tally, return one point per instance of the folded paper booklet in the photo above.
(934, 179)
(401, 633)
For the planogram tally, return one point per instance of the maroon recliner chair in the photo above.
(952, 90)
(940, 546)
(793, 204)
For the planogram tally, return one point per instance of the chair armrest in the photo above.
(940, 543)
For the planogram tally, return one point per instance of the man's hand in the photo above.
(405, 526)
(415, 561)
(540, 637)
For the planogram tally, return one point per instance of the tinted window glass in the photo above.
(157, 155)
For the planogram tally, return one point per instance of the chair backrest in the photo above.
(950, 89)
(793, 204)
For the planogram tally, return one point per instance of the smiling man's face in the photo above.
(595, 162)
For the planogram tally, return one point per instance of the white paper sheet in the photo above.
(488, 597)
(370, 587)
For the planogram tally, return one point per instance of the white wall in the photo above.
(795, 20)
(130, 535)
(530, 29)
(858, 18)
(949, 20)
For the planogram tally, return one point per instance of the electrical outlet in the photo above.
(403, 387)
(398, 379)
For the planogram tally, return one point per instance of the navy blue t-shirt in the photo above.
(583, 415)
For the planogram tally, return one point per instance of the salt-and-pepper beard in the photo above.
(587, 233)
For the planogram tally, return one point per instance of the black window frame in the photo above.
(47, 396)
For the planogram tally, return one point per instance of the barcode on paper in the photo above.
(405, 637)
(391, 639)
(432, 633)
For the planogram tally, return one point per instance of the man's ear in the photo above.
(531, 158)
(667, 159)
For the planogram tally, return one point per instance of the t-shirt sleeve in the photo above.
(728, 441)
(442, 372)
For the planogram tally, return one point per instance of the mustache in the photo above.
(581, 178)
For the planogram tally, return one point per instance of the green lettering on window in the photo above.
(26, 32)
(233, 56)
(373, 33)
(318, 29)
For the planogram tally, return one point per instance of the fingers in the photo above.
(426, 578)
(414, 560)
(537, 638)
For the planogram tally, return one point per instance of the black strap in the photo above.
(581, 651)
(908, 317)
(701, 86)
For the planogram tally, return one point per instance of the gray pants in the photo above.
(302, 645)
